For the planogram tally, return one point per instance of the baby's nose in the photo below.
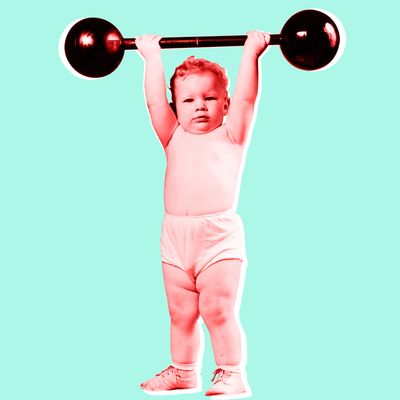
(201, 105)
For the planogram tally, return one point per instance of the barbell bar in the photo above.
(310, 40)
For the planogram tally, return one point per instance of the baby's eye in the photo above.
(187, 100)
(210, 98)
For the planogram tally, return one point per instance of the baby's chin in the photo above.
(200, 128)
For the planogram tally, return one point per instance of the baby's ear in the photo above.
(172, 105)
(227, 104)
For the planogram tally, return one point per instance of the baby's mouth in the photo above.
(201, 118)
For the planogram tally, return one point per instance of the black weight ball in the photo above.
(94, 47)
(310, 40)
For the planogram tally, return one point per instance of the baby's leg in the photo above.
(185, 337)
(218, 287)
(183, 305)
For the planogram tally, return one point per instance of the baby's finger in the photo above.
(142, 39)
(260, 34)
(251, 33)
(256, 35)
(156, 38)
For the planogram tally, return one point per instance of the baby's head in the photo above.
(199, 91)
(199, 66)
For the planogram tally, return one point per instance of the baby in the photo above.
(203, 134)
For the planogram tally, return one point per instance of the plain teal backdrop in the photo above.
(83, 312)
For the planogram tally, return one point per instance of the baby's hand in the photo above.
(148, 45)
(257, 42)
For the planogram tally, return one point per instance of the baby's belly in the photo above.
(198, 191)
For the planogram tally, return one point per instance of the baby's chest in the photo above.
(206, 153)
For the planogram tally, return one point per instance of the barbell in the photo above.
(309, 40)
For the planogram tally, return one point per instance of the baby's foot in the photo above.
(227, 383)
(171, 378)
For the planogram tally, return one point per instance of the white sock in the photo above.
(233, 368)
(185, 367)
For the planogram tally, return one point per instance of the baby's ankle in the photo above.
(185, 367)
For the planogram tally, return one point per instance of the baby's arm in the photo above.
(244, 97)
(162, 117)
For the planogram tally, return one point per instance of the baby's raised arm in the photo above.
(162, 117)
(245, 94)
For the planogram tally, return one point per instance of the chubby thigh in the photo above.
(213, 293)
(183, 301)
(218, 288)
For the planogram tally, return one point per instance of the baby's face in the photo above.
(201, 102)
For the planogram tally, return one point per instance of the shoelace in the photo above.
(167, 371)
(221, 373)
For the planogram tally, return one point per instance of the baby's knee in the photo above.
(182, 316)
(217, 311)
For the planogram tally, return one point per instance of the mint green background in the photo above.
(83, 313)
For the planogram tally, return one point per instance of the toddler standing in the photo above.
(203, 134)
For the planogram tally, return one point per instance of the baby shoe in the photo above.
(171, 378)
(228, 382)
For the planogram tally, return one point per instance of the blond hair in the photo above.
(194, 65)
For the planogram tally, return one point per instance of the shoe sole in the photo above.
(230, 396)
(172, 392)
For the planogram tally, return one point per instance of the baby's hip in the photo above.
(202, 228)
